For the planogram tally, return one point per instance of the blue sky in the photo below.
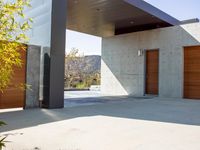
(91, 45)
(180, 9)
(87, 44)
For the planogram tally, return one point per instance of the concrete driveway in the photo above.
(128, 124)
(81, 94)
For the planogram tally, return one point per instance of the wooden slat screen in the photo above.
(13, 96)
(192, 72)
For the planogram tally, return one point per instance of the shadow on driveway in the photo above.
(153, 109)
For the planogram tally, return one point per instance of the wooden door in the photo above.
(14, 96)
(192, 72)
(152, 67)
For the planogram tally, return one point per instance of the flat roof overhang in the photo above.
(106, 18)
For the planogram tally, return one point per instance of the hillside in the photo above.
(82, 72)
(93, 62)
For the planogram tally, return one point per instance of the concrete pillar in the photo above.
(57, 54)
(45, 76)
(48, 31)
(33, 76)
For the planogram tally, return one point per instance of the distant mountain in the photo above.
(82, 72)
(93, 62)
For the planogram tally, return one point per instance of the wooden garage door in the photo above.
(14, 96)
(192, 72)
(152, 65)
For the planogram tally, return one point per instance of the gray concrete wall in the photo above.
(41, 12)
(123, 71)
(33, 76)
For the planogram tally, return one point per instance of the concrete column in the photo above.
(48, 31)
(45, 76)
(33, 76)
(57, 54)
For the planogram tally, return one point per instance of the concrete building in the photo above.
(144, 50)
(129, 35)
(124, 62)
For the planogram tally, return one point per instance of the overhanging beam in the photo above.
(153, 11)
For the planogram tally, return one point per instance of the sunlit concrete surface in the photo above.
(82, 94)
(129, 124)
(10, 110)
(85, 98)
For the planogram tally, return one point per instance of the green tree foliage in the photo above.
(13, 28)
(74, 63)
(76, 71)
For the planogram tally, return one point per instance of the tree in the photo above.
(79, 71)
(13, 28)
(74, 68)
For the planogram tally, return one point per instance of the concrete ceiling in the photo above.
(111, 17)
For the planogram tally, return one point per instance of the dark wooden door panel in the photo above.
(192, 72)
(152, 65)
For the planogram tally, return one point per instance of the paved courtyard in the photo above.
(85, 98)
(82, 94)
(130, 123)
